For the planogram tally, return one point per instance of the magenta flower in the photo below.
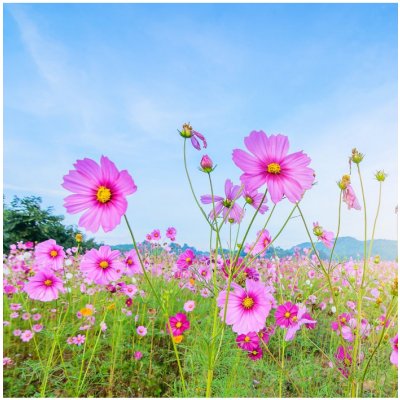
(230, 210)
(269, 164)
(179, 324)
(138, 355)
(299, 320)
(344, 358)
(49, 254)
(185, 260)
(188, 132)
(79, 340)
(262, 244)
(101, 190)
(171, 233)
(44, 286)
(249, 341)
(349, 197)
(132, 263)
(206, 164)
(156, 235)
(247, 308)
(256, 354)
(254, 198)
(286, 315)
(394, 356)
(102, 266)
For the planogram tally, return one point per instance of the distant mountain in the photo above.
(345, 247)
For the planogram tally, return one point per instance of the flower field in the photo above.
(160, 321)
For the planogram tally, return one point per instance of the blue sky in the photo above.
(86, 80)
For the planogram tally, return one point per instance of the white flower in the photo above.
(333, 309)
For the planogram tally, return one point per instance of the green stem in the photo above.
(338, 230)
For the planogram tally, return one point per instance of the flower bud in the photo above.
(206, 164)
(186, 131)
(380, 176)
(318, 231)
(356, 156)
(78, 237)
(377, 259)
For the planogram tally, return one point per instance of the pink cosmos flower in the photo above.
(79, 340)
(36, 317)
(256, 354)
(189, 132)
(100, 191)
(302, 318)
(132, 263)
(262, 244)
(205, 272)
(156, 235)
(129, 290)
(102, 266)
(179, 324)
(228, 206)
(26, 316)
(270, 164)
(266, 333)
(249, 341)
(7, 362)
(27, 335)
(185, 260)
(171, 233)
(37, 328)
(138, 355)
(44, 286)
(286, 315)
(344, 358)
(349, 197)
(247, 309)
(254, 198)
(141, 330)
(324, 236)
(14, 315)
(103, 326)
(15, 306)
(189, 306)
(17, 332)
(394, 356)
(49, 254)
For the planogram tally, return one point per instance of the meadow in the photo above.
(153, 322)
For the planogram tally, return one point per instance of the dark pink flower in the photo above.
(254, 198)
(394, 356)
(44, 286)
(256, 354)
(156, 235)
(185, 260)
(179, 324)
(286, 315)
(270, 164)
(171, 233)
(248, 341)
(100, 191)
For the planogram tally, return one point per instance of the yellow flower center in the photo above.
(103, 194)
(178, 324)
(254, 352)
(343, 319)
(294, 319)
(104, 264)
(86, 312)
(130, 262)
(191, 281)
(287, 314)
(48, 282)
(347, 361)
(188, 260)
(248, 302)
(178, 339)
(54, 253)
(247, 339)
(274, 168)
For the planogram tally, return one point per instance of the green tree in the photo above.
(25, 220)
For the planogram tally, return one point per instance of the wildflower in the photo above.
(36, 317)
(247, 309)
(130, 290)
(78, 237)
(171, 233)
(205, 272)
(179, 324)
(37, 328)
(103, 326)
(132, 263)
(270, 164)
(7, 362)
(100, 191)
(356, 156)
(256, 354)
(17, 332)
(324, 236)
(286, 315)
(380, 176)
(188, 132)
(14, 315)
(79, 340)
(264, 239)
(49, 254)
(70, 340)
(138, 355)
(177, 339)
(249, 341)
(254, 198)
(394, 356)
(344, 358)
(189, 306)
(227, 206)
(15, 306)
(27, 335)
(155, 235)
(141, 330)
(86, 312)
(44, 286)
(206, 164)
(185, 260)
(102, 266)
(349, 197)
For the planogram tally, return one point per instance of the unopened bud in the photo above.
(380, 176)
(356, 156)
(78, 237)
(206, 164)
(186, 131)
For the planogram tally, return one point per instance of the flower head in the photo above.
(286, 314)
(254, 198)
(188, 132)
(189, 306)
(247, 308)
(100, 191)
(380, 176)
(141, 330)
(179, 324)
(49, 254)
(349, 197)
(102, 266)
(186, 259)
(249, 341)
(171, 233)
(44, 286)
(270, 164)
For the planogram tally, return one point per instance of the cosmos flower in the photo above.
(141, 330)
(302, 318)
(394, 356)
(249, 341)
(269, 163)
(49, 254)
(100, 191)
(344, 360)
(79, 340)
(286, 315)
(247, 308)
(102, 266)
(228, 206)
(156, 235)
(44, 286)
(132, 263)
(138, 355)
(264, 239)
(324, 236)
(26, 335)
(189, 306)
(171, 233)
(185, 260)
(254, 198)
(179, 324)
(256, 354)
(188, 132)
(349, 197)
